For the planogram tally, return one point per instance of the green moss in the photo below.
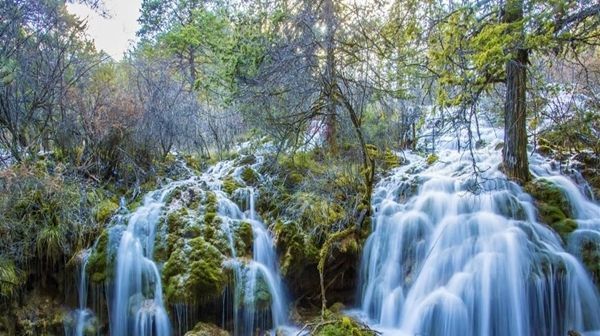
(296, 248)
(243, 239)
(230, 185)
(302, 163)
(316, 210)
(104, 210)
(431, 159)
(175, 194)
(553, 207)
(100, 265)
(210, 208)
(390, 160)
(176, 220)
(293, 180)
(343, 326)
(262, 296)
(249, 176)
(194, 270)
(544, 150)
(192, 162)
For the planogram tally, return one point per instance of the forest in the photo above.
(302, 167)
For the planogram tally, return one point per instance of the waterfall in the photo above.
(264, 264)
(458, 253)
(248, 275)
(82, 317)
(137, 307)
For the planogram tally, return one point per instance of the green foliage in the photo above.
(44, 217)
(11, 278)
(104, 210)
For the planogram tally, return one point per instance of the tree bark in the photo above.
(514, 154)
(330, 75)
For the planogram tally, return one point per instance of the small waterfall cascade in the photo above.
(83, 319)
(254, 302)
(137, 304)
(256, 282)
(263, 266)
(455, 253)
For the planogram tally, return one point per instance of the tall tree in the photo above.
(476, 46)
(514, 153)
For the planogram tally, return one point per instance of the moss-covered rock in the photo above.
(249, 176)
(104, 210)
(194, 270)
(552, 205)
(244, 239)
(101, 262)
(342, 326)
(316, 210)
(230, 185)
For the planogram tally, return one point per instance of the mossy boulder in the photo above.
(230, 185)
(243, 239)
(261, 298)
(342, 326)
(293, 180)
(249, 176)
(104, 210)
(553, 207)
(590, 253)
(101, 262)
(544, 150)
(194, 270)
(210, 207)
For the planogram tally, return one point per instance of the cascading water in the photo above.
(451, 254)
(136, 304)
(249, 275)
(137, 307)
(82, 316)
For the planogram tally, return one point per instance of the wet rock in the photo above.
(206, 329)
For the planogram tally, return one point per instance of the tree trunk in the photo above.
(329, 80)
(514, 154)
